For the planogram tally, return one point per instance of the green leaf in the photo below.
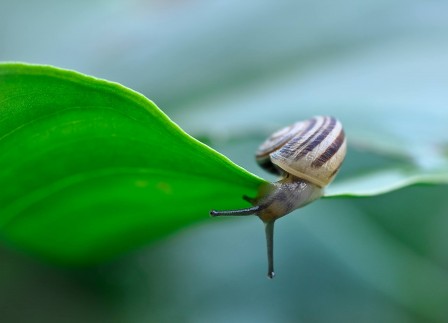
(384, 181)
(89, 168)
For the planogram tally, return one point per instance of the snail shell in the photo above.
(308, 155)
(312, 150)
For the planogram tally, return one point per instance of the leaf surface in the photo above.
(89, 168)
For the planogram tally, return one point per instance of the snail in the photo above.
(307, 155)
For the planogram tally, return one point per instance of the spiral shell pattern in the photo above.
(313, 150)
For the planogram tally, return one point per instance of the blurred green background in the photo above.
(229, 72)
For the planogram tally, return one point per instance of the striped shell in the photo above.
(313, 150)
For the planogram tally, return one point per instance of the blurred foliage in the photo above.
(231, 72)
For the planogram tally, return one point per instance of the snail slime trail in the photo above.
(307, 155)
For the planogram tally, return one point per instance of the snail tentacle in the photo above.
(248, 211)
(269, 230)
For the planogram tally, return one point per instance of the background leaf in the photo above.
(90, 168)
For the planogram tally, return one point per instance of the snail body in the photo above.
(307, 155)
